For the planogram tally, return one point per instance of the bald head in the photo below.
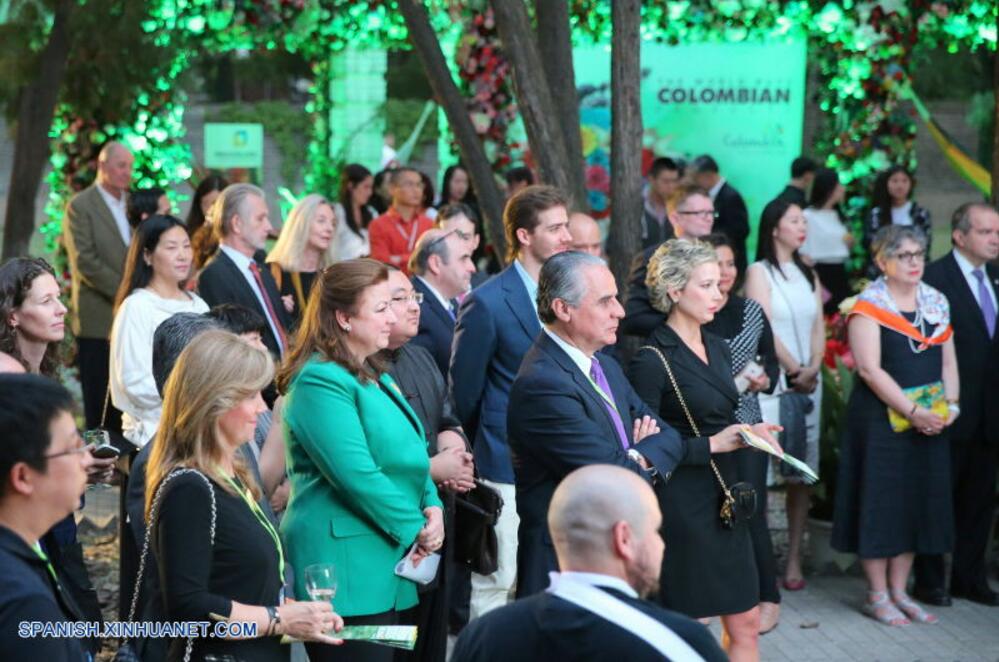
(9, 364)
(585, 234)
(606, 519)
(114, 168)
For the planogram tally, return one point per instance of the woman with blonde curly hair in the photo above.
(306, 247)
(218, 556)
(685, 374)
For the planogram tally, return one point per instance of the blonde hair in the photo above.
(294, 236)
(670, 268)
(213, 374)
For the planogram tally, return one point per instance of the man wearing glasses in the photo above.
(442, 269)
(43, 473)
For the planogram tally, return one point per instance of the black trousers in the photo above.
(92, 358)
(753, 467)
(973, 467)
(356, 651)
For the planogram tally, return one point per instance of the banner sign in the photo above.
(234, 145)
(741, 103)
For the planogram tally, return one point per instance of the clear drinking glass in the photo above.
(320, 582)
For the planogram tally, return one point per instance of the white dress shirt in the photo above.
(967, 268)
(244, 262)
(117, 207)
(440, 297)
(713, 191)
(582, 361)
(599, 580)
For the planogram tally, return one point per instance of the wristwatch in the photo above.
(639, 459)
(275, 617)
(954, 408)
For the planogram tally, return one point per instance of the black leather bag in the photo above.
(476, 514)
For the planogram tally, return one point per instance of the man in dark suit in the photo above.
(971, 285)
(664, 177)
(571, 406)
(733, 217)
(694, 215)
(235, 274)
(802, 174)
(497, 324)
(442, 269)
(604, 522)
(97, 235)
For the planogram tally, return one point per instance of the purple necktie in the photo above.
(600, 380)
(985, 301)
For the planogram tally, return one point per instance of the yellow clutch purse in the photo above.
(930, 396)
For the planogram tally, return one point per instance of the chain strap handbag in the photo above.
(127, 651)
(739, 500)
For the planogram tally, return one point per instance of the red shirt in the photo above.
(393, 238)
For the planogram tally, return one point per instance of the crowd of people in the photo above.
(332, 404)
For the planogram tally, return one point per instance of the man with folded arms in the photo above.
(604, 522)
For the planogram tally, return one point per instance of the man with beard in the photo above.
(604, 523)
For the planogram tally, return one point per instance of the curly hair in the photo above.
(16, 277)
(670, 268)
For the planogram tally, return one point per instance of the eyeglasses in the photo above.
(415, 297)
(910, 256)
(464, 236)
(79, 450)
(703, 213)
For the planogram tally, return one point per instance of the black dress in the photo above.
(708, 570)
(198, 578)
(285, 281)
(893, 493)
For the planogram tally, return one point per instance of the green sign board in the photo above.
(234, 145)
(741, 103)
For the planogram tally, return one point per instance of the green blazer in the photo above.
(360, 479)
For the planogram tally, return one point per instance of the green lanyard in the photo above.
(603, 395)
(48, 564)
(259, 514)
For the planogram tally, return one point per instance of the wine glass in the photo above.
(320, 582)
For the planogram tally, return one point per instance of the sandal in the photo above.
(883, 610)
(912, 610)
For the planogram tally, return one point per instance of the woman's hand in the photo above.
(768, 432)
(926, 422)
(289, 302)
(805, 380)
(758, 384)
(310, 621)
(279, 499)
(727, 440)
(644, 427)
(431, 536)
(453, 466)
(101, 470)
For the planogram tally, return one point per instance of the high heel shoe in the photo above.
(769, 616)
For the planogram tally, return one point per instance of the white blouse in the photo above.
(348, 244)
(824, 242)
(133, 389)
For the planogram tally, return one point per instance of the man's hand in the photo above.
(644, 427)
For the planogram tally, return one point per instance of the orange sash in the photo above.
(899, 324)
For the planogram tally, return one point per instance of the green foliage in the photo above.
(982, 116)
(287, 125)
(401, 116)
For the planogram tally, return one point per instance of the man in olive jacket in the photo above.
(97, 234)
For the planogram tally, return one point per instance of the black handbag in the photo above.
(476, 514)
(794, 408)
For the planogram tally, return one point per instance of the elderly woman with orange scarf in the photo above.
(893, 498)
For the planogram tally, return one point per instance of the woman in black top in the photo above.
(710, 570)
(744, 326)
(305, 247)
(226, 565)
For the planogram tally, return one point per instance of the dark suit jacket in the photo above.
(977, 354)
(222, 282)
(425, 391)
(96, 262)
(544, 627)
(733, 220)
(640, 318)
(436, 327)
(496, 325)
(654, 234)
(558, 423)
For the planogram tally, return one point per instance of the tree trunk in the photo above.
(624, 241)
(555, 45)
(534, 99)
(473, 155)
(36, 106)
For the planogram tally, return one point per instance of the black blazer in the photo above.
(436, 327)
(544, 627)
(654, 234)
(222, 282)
(977, 354)
(556, 423)
(733, 220)
(640, 318)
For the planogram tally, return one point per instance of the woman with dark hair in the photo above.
(145, 202)
(152, 289)
(428, 196)
(790, 293)
(204, 242)
(357, 455)
(745, 329)
(381, 199)
(457, 187)
(892, 204)
(828, 242)
(353, 213)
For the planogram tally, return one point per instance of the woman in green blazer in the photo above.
(361, 492)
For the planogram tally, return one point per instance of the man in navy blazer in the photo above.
(971, 285)
(442, 269)
(571, 406)
(496, 325)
